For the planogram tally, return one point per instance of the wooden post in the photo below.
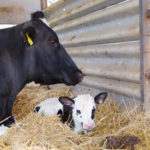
(43, 4)
(145, 52)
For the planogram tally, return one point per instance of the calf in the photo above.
(31, 51)
(78, 112)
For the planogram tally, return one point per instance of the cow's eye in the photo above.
(52, 42)
(78, 112)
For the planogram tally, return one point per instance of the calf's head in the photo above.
(83, 108)
(49, 58)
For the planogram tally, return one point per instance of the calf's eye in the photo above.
(52, 42)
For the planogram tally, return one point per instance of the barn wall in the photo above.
(102, 36)
(17, 11)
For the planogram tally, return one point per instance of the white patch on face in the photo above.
(44, 21)
(3, 130)
(50, 107)
(84, 104)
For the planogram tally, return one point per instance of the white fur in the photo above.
(50, 107)
(44, 21)
(84, 103)
(3, 130)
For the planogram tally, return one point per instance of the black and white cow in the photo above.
(78, 112)
(31, 51)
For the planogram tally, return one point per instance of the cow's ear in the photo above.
(66, 101)
(37, 15)
(28, 35)
(100, 98)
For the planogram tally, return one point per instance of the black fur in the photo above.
(59, 112)
(8, 122)
(100, 98)
(37, 15)
(93, 113)
(66, 116)
(45, 62)
(37, 109)
(78, 112)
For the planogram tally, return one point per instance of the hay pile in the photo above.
(32, 95)
(34, 132)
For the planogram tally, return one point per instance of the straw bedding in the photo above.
(34, 132)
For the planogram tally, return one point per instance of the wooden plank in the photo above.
(17, 11)
(43, 4)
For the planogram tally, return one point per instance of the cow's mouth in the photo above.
(65, 79)
(67, 83)
(77, 79)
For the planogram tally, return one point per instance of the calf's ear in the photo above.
(28, 34)
(66, 101)
(100, 98)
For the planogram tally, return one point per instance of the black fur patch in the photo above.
(8, 122)
(37, 15)
(78, 112)
(59, 112)
(93, 113)
(37, 109)
(67, 116)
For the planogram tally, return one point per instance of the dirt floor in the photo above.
(113, 128)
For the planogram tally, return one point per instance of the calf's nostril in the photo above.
(89, 126)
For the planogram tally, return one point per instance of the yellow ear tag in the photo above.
(29, 40)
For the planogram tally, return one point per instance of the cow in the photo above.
(78, 111)
(31, 51)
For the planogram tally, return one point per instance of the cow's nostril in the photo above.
(79, 76)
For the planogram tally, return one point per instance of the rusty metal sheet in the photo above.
(116, 11)
(124, 88)
(123, 29)
(69, 9)
(112, 49)
(123, 70)
(103, 39)
(125, 67)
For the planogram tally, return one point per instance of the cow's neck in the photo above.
(30, 65)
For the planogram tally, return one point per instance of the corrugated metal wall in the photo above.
(102, 36)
